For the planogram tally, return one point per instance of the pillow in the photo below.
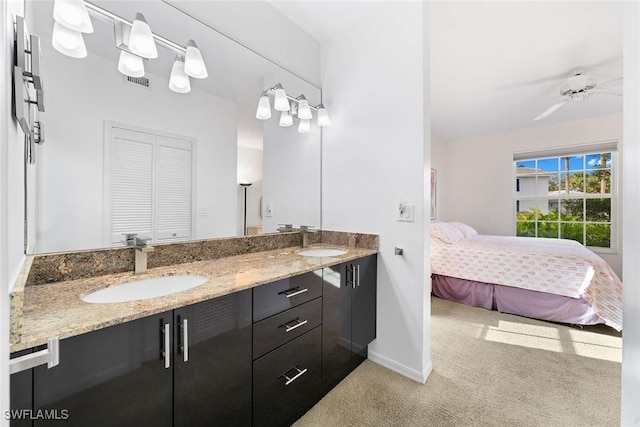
(446, 232)
(466, 230)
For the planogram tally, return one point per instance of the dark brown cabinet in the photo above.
(348, 317)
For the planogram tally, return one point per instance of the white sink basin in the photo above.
(144, 289)
(322, 252)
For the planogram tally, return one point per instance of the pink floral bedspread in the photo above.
(561, 267)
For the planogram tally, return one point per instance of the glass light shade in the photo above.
(285, 119)
(323, 117)
(141, 40)
(304, 126)
(68, 41)
(264, 108)
(280, 102)
(193, 62)
(73, 15)
(130, 65)
(304, 112)
(179, 81)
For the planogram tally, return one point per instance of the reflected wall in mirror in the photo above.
(121, 156)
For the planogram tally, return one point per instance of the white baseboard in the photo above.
(410, 373)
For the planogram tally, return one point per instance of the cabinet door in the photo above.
(114, 376)
(21, 394)
(213, 385)
(363, 305)
(336, 324)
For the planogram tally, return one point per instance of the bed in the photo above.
(549, 279)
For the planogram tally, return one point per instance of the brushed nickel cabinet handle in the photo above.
(296, 323)
(166, 352)
(298, 374)
(293, 292)
(185, 340)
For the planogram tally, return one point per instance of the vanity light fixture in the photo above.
(134, 39)
(179, 80)
(73, 15)
(68, 41)
(141, 40)
(285, 119)
(304, 126)
(293, 107)
(264, 107)
(193, 62)
(130, 64)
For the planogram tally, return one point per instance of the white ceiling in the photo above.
(497, 65)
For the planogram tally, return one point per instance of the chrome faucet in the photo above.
(285, 228)
(304, 235)
(141, 249)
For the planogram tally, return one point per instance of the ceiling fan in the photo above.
(579, 87)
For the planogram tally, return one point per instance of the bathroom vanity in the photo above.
(259, 344)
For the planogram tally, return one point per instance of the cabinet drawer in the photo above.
(275, 297)
(278, 401)
(276, 330)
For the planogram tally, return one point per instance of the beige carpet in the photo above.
(489, 369)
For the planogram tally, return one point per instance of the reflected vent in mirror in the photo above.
(137, 81)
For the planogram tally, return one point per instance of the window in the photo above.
(567, 197)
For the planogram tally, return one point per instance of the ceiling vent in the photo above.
(137, 81)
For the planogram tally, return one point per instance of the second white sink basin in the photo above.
(322, 252)
(144, 289)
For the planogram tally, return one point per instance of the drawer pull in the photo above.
(166, 345)
(298, 374)
(296, 323)
(293, 292)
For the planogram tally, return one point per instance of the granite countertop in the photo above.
(56, 309)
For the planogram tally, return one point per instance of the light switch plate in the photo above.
(268, 210)
(405, 212)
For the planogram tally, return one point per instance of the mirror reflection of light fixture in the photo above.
(285, 119)
(304, 126)
(179, 81)
(130, 64)
(68, 41)
(264, 107)
(73, 15)
(280, 101)
(193, 62)
(304, 112)
(141, 40)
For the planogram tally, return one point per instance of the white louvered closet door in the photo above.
(150, 186)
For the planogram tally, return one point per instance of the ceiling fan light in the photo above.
(179, 81)
(578, 82)
(73, 15)
(68, 41)
(193, 63)
(141, 40)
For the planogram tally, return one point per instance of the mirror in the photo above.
(113, 145)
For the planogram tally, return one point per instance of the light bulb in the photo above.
(141, 40)
(264, 108)
(304, 126)
(304, 112)
(285, 119)
(193, 62)
(179, 81)
(73, 15)
(323, 117)
(130, 65)
(68, 41)
(280, 102)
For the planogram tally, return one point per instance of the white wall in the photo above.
(374, 158)
(249, 171)
(439, 163)
(631, 226)
(11, 194)
(80, 96)
(480, 172)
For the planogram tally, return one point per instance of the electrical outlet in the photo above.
(203, 212)
(405, 212)
(268, 210)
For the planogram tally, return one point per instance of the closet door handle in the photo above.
(185, 340)
(166, 344)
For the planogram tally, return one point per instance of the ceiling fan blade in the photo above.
(605, 92)
(608, 84)
(551, 110)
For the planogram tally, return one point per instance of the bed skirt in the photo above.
(523, 302)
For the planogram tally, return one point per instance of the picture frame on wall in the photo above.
(434, 185)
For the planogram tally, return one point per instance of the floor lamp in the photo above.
(245, 207)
